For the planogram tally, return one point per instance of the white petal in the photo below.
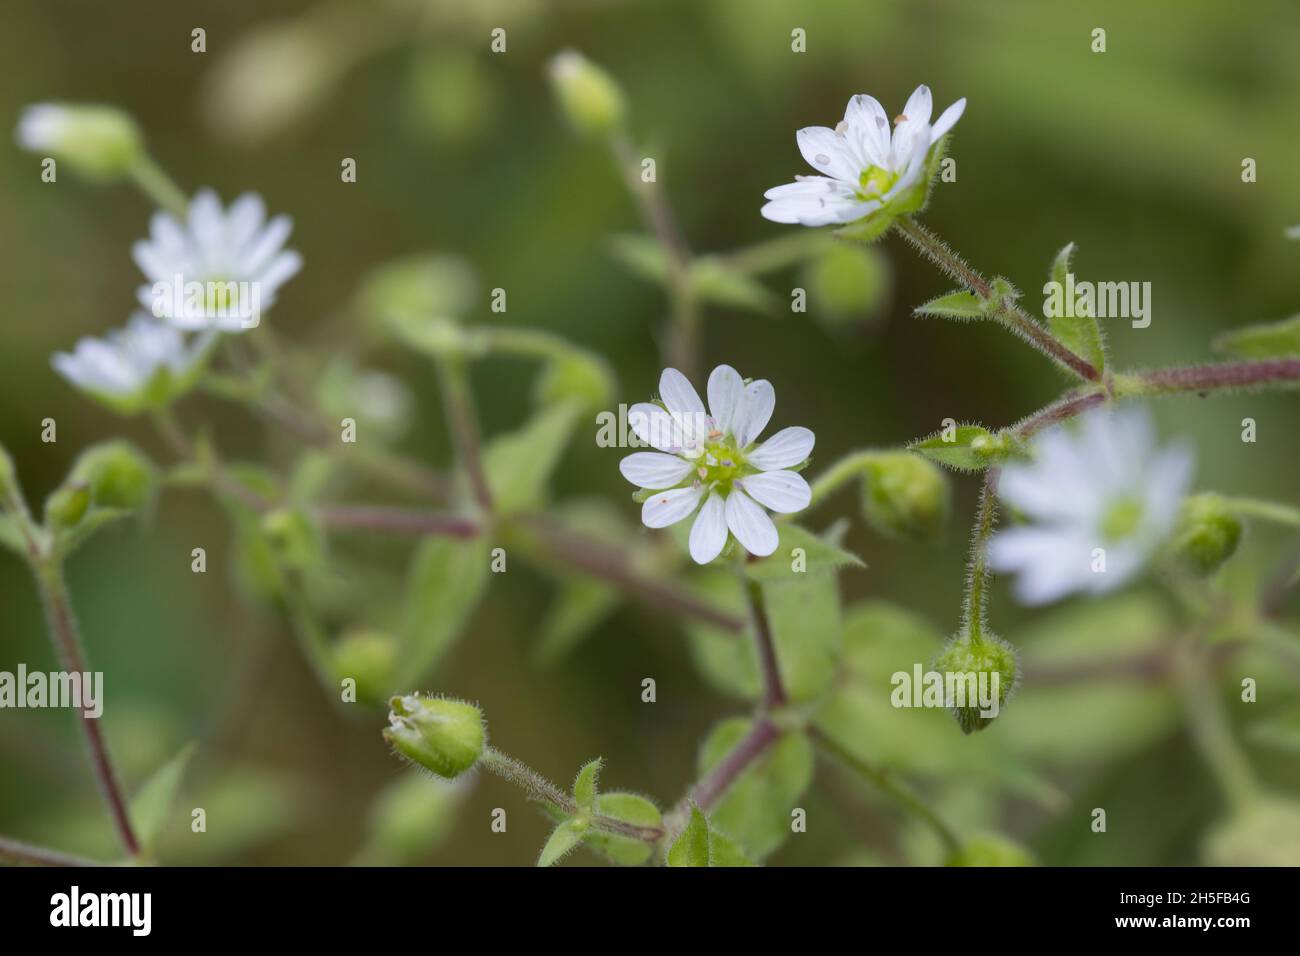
(679, 394)
(919, 106)
(785, 492)
(282, 268)
(654, 426)
(754, 412)
(669, 507)
(709, 533)
(725, 389)
(868, 125)
(750, 524)
(787, 447)
(828, 153)
(652, 469)
(947, 120)
(815, 201)
(1050, 562)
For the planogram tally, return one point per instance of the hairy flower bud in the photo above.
(368, 658)
(446, 736)
(117, 474)
(978, 678)
(66, 506)
(905, 496)
(1207, 533)
(589, 96)
(96, 141)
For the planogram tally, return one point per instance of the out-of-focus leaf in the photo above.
(447, 578)
(800, 553)
(755, 811)
(153, 802)
(804, 614)
(409, 819)
(575, 612)
(726, 659)
(518, 465)
(1267, 340)
(713, 280)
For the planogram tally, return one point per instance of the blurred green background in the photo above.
(1135, 154)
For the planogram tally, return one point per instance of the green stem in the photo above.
(713, 785)
(311, 637)
(463, 425)
(977, 576)
(1007, 311)
(1215, 377)
(154, 182)
(1286, 515)
(892, 788)
(1209, 729)
(769, 666)
(20, 852)
(848, 468)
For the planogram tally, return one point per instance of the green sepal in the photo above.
(971, 448)
(564, 839)
(584, 787)
(1081, 334)
(691, 848)
(960, 304)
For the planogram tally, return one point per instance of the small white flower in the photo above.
(707, 461)
(143, 365)
(220, 269)
(865, 168)
(1105, 486)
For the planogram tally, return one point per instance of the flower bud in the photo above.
(295, 540)
(589, 96)
(66, 506)
(117, 474)
(368, 658)
(847, 283)
(978, 678)
(905, 496)
(96, 141)
(444, 735)
(418, 287)
(990, 850)
(1207, 533)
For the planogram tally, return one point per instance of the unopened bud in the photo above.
(444, 735)
(66, 506)
(117, 474)
(589, 96)
(905, 496)
(978, 677)
(296, 541)
(368, 658)
(1207, 533)
(96, 141)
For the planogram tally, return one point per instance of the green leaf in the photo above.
(960, 305)
(410, 819)
(579, 608)
(691, 848)
(969, 447)
(755, 811)
(447, 578)
(800, 553)
(726, 659)
(723, 851)
(564, 840)
(10, 536)
(712, 279)
(629, 808)
(154, 800)
(804, 615)
(1081, 334)
(518, 465)
(1267, 340)
(584, 787)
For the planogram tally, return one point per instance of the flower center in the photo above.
(1121, 519)
(875, 182)
(719, 465)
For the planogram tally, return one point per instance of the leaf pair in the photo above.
(595, 820)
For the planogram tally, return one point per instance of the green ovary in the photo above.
(875, 182)
(1122, 519)
(719, 465)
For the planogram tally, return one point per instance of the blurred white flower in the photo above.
(865, 168)
(707, 460)
(1103, 486)
(218, 270)
(144, 365)
(98, 141)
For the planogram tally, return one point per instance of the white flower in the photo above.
(707, 460)
(1104, 486)
(864, 168)
(220, 269)
(143, 365)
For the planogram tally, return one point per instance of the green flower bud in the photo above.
(991, 850)
(295, 540)
(1207, 533)
(8, 478)
(1266, 832)
(117, 474)
(975, 673)
(418, 287)
(905, 496)
(368, 657)
(847, 283)
(444, 735)
(589, 96)
(66, 506)
(96, 141)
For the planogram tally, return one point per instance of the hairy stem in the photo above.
(1215, 377)
(837, 475)
(67, 644)
(1016, 318)
(463, 424)
(20, 852)
(894, 789)
(977, 576)
(769, 666)
(1059, 411)
(712, 786)
(683, 352)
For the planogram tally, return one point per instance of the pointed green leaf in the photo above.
(801, 553)
(691, 848)
(724, 851)
(153, 801)
(447, 578)
(564, 840)
(969, 447)
(584, 787)
(576, 611)
(1081, 334)
(518, 465)
(629, 808)
(960, 305)
(1267, 340)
